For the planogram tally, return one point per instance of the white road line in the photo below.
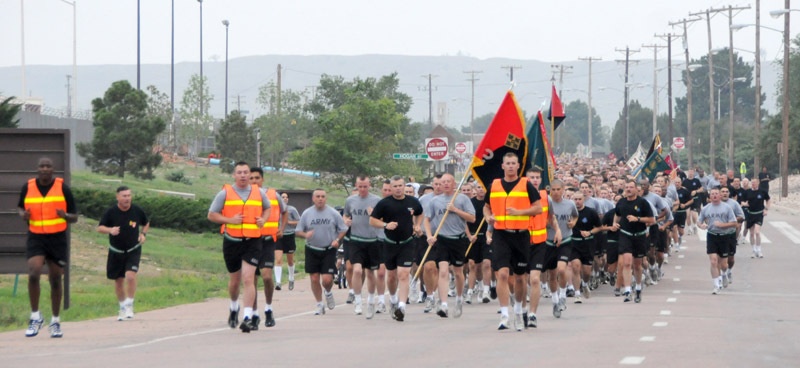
(666, 313)
(632, 360)
(788, 230)
(681, 256)
(678, 267)
(660, 324)
(647, 339)
(672, 300)
(676, 291)
(676, 279)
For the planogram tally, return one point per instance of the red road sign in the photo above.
(678, 142)
(461, 147)
(436, 148)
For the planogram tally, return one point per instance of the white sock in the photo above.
(248, 312)
(267, 308)
(328, 292)
(371, 298)
(554, 299)
(235, 305)
(517, 308)
(562, 292)
(638, 287)
(382, 299)
(36, 315)
(278, 273)
(504, 311)
(358, 299)
(393, 298)
(486, 288)
(55, 319)
(122, 304)
(444, 305)
(402, 305)
(459, 299)
(291, 273)
(628, 289)
(351, 292)
(129, 301)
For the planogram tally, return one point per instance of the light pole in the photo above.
(201, 58)
(785, 105)
(226, 24)
(784, 146)
(74, 86)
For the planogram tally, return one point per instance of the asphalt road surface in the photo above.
(753, 323)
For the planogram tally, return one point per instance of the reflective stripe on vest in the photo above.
(249, 210)
(44, 219)
(271, 225)
(538, 227)
(516, 198)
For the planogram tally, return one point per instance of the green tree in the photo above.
(124, 134)
(480, 125)
(159, 105)
(640, 125)
(8, 113)
(574, 131)
(284, 133)
(771, 132)
(359, 123)
(194, 124)
(236, 141)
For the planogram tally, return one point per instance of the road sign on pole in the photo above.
(436, 148)
(410, 156)
(461, 148)
(678, 142)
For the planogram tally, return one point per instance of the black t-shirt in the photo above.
(44, 190)
(740, 195)
(638, 207)
(473, 226)
(755, 200)
(128, 222)
(587, 220)
(692, 185)
(684, 196)
(402, 211)
(732, 191)
(763, 181)
(608, 220)
(533, 193)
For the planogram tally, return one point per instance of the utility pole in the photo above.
(69, 97)
(625, 107)
(561, 69)
(785, 103)
(511, 72)
(655, 48)
(669, 37)
(430, 97)
(472, 80)
(278, 92)
(711, 118)
(589, 96)
(757, 150)
(689, 81)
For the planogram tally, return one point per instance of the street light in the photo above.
(201, 57)
(785, 108)
(74, 101)
(226, 24)
(719, 97)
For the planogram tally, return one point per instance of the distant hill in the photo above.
(451, 90)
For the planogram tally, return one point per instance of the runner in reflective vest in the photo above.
(517, 198)
(273, 221)
(44, 218)
(539, 222)
(250, 210)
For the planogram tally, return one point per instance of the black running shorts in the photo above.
(120, 263)
(235, 252)
(320, 261)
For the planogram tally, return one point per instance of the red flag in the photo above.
(506, 133)
(556, 114)
(669, 162)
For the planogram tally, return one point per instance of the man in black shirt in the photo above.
(763, 179)
(695, 188)
(757, 205)
(480, 254)
(400, 216)
(632, 216)
(121, 222)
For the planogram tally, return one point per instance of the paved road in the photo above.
(753, 323)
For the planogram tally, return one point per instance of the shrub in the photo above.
(178, 177)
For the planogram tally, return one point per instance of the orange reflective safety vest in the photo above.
(517, 198)
(271, 225)
(44, 218)
(249, 210)
(538, 227)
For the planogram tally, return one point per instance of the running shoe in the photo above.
(121, 314)
(617, 292)
(503, 323)
(269, 319)
(715, 291)
(34, 326)
(493, 292)
(358, 310)
(570, 293)
(470, 297)
(278, 287)
(55, 330)
(556, 310)
(291, 285)
(399, 314)
(586, 291)
(627, 295)
(247, 325)
(562, 304)
(485, 298)
(725, 281)
(233, 318)
(329, 301)
(129, 311)
(351, 298)
(442, 311)
(578, 299)
(320, 310)
(518, 323)
(381, 308)
(760, 254)
(638, 298)
(532, 322)
(451, 293)
(370, 310)
(429, 304)
(392, 308)
(459, 309)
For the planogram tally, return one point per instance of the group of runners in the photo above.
(513, 240)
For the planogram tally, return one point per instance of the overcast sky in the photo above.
(524, 29)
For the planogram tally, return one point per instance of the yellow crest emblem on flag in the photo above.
(513, 142)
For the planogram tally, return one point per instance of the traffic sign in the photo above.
(436, 148)
(678, 142)
(410, 156)
(461, 147)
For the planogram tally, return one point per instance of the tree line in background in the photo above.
(351, 127)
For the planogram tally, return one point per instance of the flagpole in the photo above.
(483, 220)
(446, 212)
